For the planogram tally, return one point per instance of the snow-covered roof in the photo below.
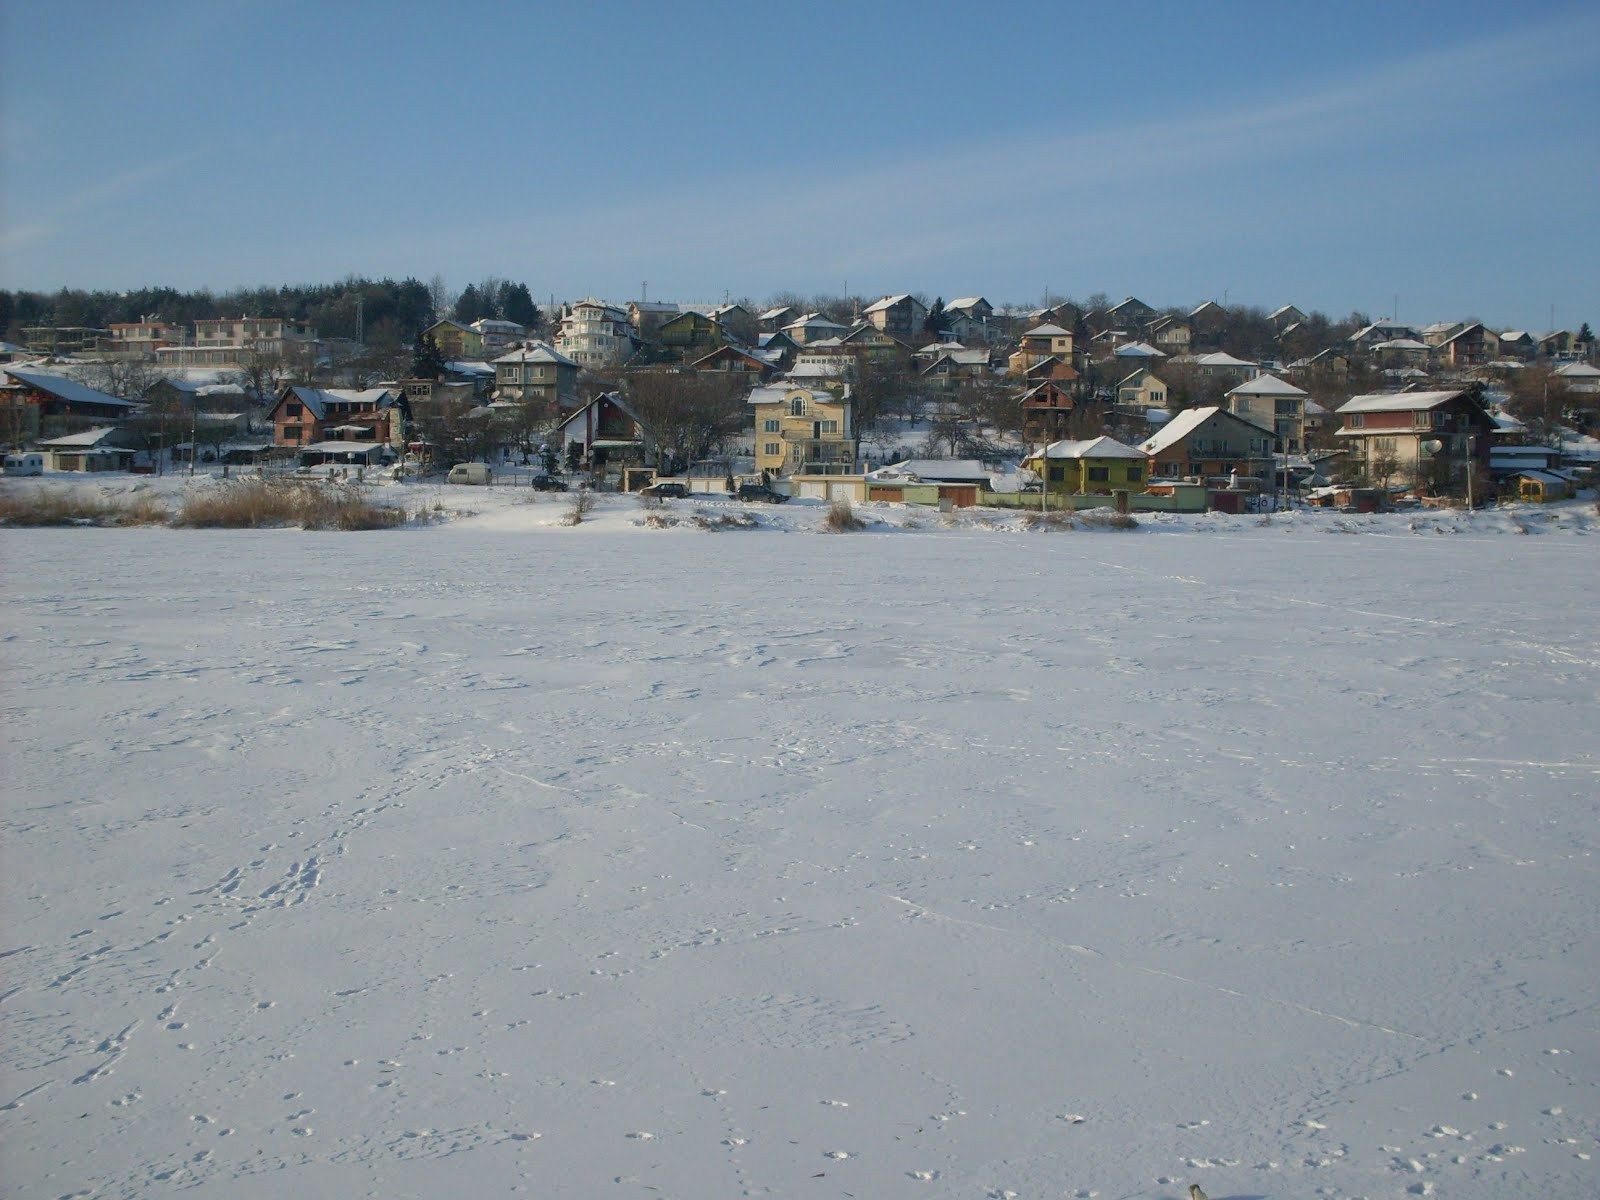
(817, 370)
(772, 314)
(768, 393)
(1402, 344)
(1396, 401)
(1267, 385)
(536, 352)
(88, 437)
(889, 302)
(1047, 330)
(1100, 447)
(1578, 370)
(1186, 422)
(1138, 350)
(945, 470)
(60, 386)
(343, 447)
(1220, 359)
(964, 303)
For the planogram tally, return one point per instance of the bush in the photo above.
(580, 505)
(727, 520)
(1106, 518)
(43, 507)
(842, 518)
(285, 503)
(1048, 521)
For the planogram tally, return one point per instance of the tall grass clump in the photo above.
(1047, 521)
(579, 505)
(842, 518)
(285, 503)
(1107, 518)
(44, 507)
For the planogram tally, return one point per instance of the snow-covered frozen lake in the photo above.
(498, 857)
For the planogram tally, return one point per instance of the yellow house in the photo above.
(1099, 465)
(802, 431)
(1041, 342)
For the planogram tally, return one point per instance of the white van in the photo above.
(24, 464)
(469, 473)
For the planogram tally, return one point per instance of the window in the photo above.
(1357, 420)
(291, 410)
(830, 426)
(1099, 474)
(1135, 474)
(772, 449)
(1383, 445)
(797, 408)
(1440, 420)
(291, 433)
(1057, 474)
(770, 426)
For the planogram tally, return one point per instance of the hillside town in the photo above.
(900, 398)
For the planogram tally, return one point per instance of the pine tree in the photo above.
(516, 304)
(426, 360)
(937, 323)
(471, 306)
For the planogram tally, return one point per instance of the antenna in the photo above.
(644, 292)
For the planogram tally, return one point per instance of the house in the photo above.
(1221, 365)
(956, 481)
(1273, 404)
(1579, 378)
(497, 336)
(647, 317)
(1131, 314)
(775, 319)
(606, 435)
(455, 339)
(537, 374)
(874, 343)
(65, 340)
(1470, 346)
(1518, 344)
(35, 403)
(778, 347)
(1171, 336)
(953, 365)
(1286, 316)
(239, 341)
(738, 360)
(1563, 343)
(971, 318)
(305, 418)
(1047, 409)
(1208, 442)
(1425, 438)
(691, 334)
(1140, 391)
(1383, 331)
(107, 448)
(1095, 466)
(802, 431)
(1042, 341)
(1050, 367)
(1140, 351)
(900, 316)
(141, 339)
(596, 334)
(813, 327)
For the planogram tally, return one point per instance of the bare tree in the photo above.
(691, 415)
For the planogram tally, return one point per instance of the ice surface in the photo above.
(503, 857)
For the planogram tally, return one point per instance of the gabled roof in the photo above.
(1205, 308)
(889, 302)
(536, 352)
(945, 470)
(1129, 302)
(614, 398)
(772, 314)
(62, 388)
(72, 441)
(1220, 359)
(964, 303)
(1138, 377)
(1138, 350)
(1267, 385)
(1397, 401)
(316, 399)
(1048, 330)
(1578, 370)
(1100, 447)
(1186, 422)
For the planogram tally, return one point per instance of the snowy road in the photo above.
(459, 861)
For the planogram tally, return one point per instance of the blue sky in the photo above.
(1335, 157)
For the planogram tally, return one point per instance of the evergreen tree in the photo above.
(472, 306)
(426, 360)
(1585, 334)
(516, 304)
(936, 322)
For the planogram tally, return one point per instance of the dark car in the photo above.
(760, 492)
(666, 491)
(547, 483)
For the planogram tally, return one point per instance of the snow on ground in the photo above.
(499, 856)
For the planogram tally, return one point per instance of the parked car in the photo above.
(548, 483)
(666, 491)
(760, 492)
(469, 472)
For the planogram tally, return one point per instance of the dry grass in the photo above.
(1106, 518)
(44, 507)
(716, 522)
(579, 505)
(842, 518)
(285, 503)
(1049, 522)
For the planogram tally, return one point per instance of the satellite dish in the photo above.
(1431, 446)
